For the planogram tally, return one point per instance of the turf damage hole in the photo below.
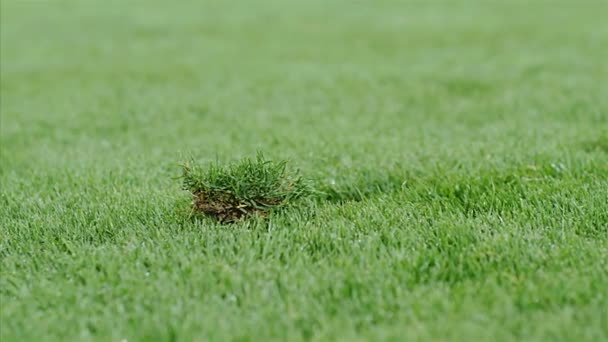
(232, 192)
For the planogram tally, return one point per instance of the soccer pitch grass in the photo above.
(463, 147)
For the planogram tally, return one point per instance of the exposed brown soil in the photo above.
(228, 209)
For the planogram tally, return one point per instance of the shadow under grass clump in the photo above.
(362, 184)
(232, 192)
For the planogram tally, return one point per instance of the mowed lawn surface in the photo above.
(463, 146)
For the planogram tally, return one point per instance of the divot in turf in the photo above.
(242, 189)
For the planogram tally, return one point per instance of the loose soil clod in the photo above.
(226, 210)
(236, 191)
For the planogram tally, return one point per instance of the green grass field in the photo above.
(463, 147)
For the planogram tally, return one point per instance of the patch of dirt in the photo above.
(228, 209)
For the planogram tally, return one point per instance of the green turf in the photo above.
(462, 145)
(248, 187)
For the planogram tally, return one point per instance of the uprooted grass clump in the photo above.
(240, 189)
